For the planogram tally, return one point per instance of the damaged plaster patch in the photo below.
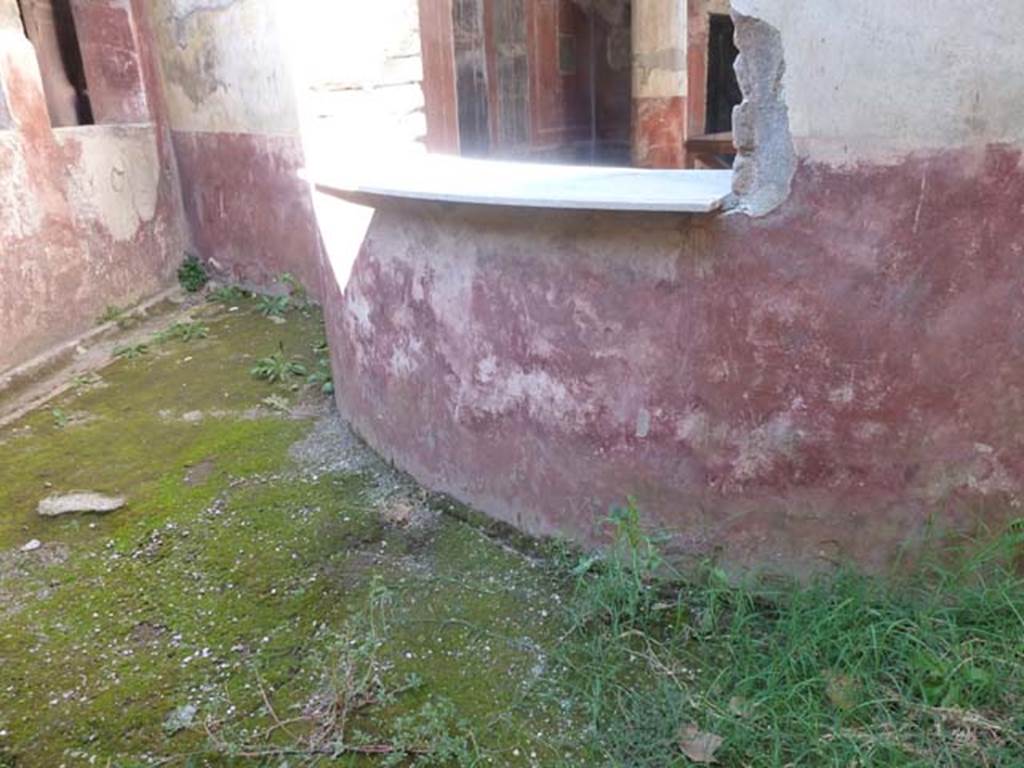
(116, 180)
(766, 158)
(499, 390)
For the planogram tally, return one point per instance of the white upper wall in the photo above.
(224, 65)
(875, 79)
(358, 72)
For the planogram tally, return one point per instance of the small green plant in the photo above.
(184, 331)
(321, 376)
(277, 368)
(618, 587)
(192, 274)
(120, 315)
(60, 418)
(273, 306)
(228, 294)
(296, 291)
(131, 351)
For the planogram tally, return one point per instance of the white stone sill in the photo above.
(69, 130)
(443, 178)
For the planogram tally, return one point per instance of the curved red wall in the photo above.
(816, 386)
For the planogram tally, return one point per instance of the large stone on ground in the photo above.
(78, 502)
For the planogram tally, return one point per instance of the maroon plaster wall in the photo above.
(111, 55)
(249, 213)
(62, 259)
(812, 387)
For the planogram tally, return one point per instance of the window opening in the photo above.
(723, 92)
(50, 26)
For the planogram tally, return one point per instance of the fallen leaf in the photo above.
(698, 746)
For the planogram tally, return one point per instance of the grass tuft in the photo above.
(192, 274)
(846, 671)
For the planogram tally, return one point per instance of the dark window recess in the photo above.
(50, 25)
(471, 78)
(567, 54)
(723, 88)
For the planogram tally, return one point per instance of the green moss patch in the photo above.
(149, 635)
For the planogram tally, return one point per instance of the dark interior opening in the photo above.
(471, 78)
(50, 25)
(723, 88)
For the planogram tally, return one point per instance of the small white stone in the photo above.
(80, 501)
(32, 546)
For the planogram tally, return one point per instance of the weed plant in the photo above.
(846, 670)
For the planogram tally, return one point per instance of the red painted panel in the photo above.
(113, 70)
(249, 213)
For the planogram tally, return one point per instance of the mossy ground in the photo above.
(232, 560)
(239, 587)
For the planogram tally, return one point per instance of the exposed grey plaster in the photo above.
(766, 159)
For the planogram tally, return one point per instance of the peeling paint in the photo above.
(116, 181)
(815, 385)
(89, 217)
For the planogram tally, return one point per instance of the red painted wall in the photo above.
(249, 214)
(817, 386)
(91, 216)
